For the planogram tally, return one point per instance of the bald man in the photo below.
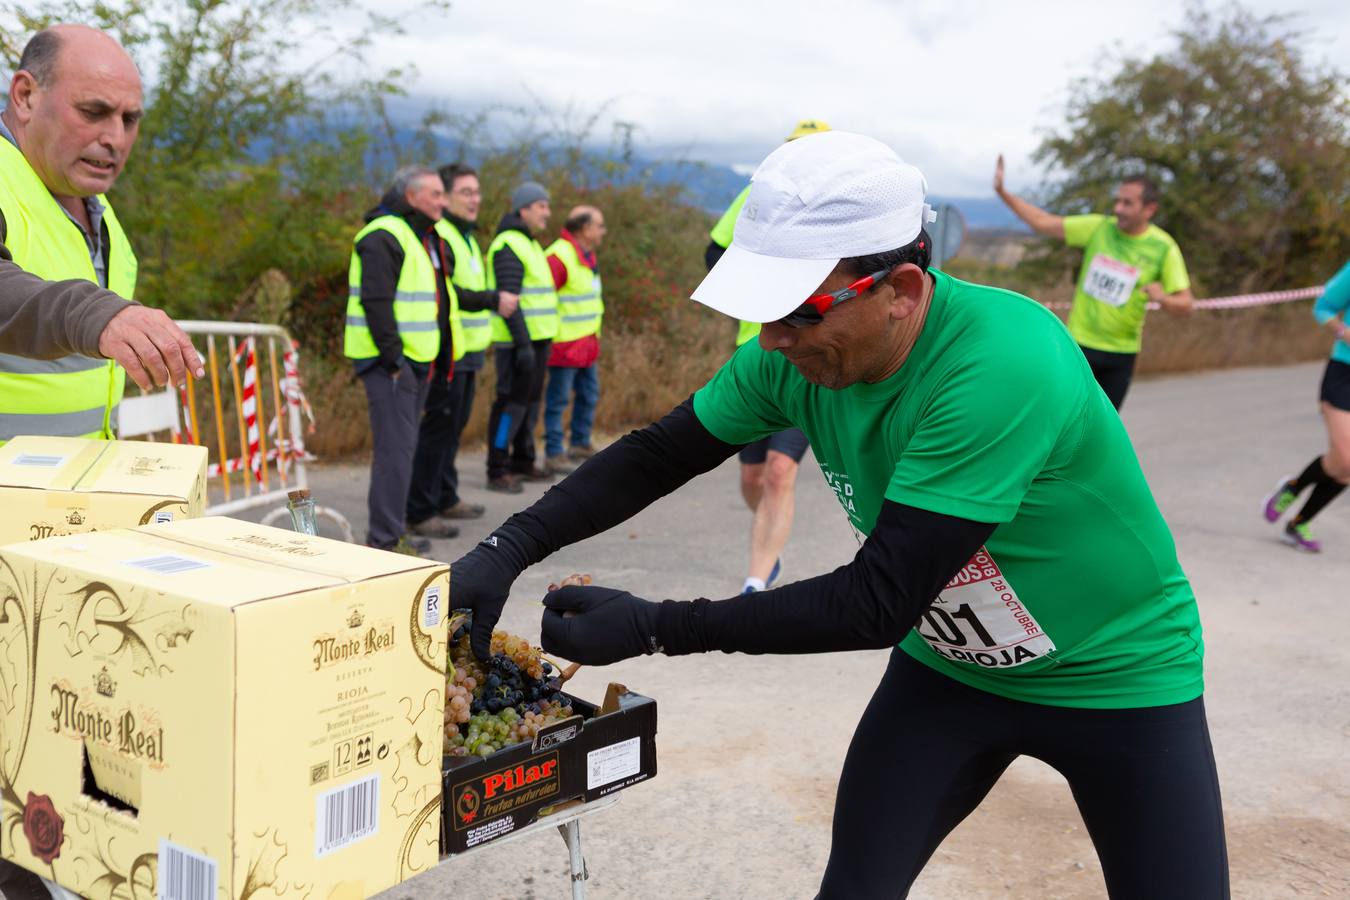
(73, 113)
(572, 366)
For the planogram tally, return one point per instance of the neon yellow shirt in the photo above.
(1109, 302)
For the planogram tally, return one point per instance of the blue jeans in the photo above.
(561, 383)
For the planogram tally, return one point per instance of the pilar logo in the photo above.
(103, 682)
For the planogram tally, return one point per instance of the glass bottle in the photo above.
(301, 506)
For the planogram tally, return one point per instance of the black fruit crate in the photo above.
(588, 756)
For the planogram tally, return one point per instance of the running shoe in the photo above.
(1300, 537)
(774, 572)
(1281, 500)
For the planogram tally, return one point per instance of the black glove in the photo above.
(480, 580)
(597, 626)
(522, 366)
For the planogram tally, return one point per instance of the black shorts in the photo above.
(1336, 384)
(1113, 372)
(789, 443)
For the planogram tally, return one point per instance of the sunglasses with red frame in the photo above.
(812, 312)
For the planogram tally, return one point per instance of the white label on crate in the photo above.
(610, 764)
(167, 564)
(489, 830)
(38, 461)
(184, 874)
(431, 606)
(163, 517)
(346, 815)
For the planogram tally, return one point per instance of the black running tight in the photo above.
(929, 748)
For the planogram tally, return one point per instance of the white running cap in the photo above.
(813, 202)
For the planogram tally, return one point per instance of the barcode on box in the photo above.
(167, 565)
(346, 815)
(431, 606)
(184, 874)
(38, 460)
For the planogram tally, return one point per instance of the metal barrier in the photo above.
(270, 450)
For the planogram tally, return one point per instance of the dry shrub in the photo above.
(1220, 339)
(1207, 339)
(643, 374)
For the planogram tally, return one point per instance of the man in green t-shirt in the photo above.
(1128, 263)
(1009, 547)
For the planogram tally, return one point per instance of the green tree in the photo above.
(257, 148)
(1247, 138)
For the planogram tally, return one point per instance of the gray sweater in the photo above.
(50, 319)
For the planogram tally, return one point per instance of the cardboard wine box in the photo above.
(51, 486)
(218, 709)
(582, 758)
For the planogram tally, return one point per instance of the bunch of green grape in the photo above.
(508, 701)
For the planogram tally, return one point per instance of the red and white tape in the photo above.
(240, 463)
(248, 361)
(1239, 301)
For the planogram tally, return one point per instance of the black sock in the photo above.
(1326, 490)
(1314, 474)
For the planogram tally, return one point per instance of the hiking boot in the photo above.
(413, 546)
(505, 484)
(435, 527)
(464, 510)
(1299, 536)
(580, 453)
(1281, 500)
(535, 473)
(559, 465)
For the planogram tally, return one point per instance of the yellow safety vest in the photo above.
(538, 300)
(721, 234)
(580, 304)
(414, 298)
(471, 330)
(74, 396)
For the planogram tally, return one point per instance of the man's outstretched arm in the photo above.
(1041, 222)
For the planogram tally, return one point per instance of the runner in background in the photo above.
(1128, 262)
(1327, 474)
(769, 466)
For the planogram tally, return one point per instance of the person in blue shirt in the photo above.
(1327, 474)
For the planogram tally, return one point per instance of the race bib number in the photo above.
(978, 619)
(1110, 280)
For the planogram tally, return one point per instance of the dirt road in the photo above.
(750, 748)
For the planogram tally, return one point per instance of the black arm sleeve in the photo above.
(617, 483)
(712, 253)
(476, 301)
(381, 262)
(868, 604)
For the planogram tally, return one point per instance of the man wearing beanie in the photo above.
(517, 265)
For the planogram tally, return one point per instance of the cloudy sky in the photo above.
(948, 84)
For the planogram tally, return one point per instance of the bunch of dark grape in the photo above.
(509, 701)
